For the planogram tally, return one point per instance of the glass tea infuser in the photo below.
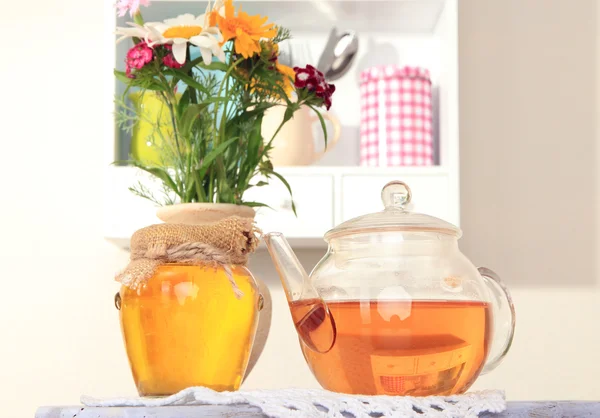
(394, 307)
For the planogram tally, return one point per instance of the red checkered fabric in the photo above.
(396, 117)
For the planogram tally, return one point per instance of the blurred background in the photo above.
(529, 201)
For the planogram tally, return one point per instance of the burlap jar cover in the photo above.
(221, 244)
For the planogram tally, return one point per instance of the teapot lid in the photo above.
(395, 196)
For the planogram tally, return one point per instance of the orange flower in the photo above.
(246, 30)
(289, 76)
(212, 18)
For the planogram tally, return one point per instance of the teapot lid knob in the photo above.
(395, 195)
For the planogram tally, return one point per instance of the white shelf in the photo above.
(324, 197)
(406, 16)
(363, 171)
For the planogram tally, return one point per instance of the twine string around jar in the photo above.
(221, 244)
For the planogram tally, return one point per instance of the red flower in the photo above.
(169, 60)
(138, 56)
(314, 81)
(308, 76)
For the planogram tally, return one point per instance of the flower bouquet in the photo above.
(214, 75)
(189, 308)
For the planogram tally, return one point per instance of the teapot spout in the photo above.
(293, 277)
(313, 320)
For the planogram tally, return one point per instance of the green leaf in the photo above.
(215, 65)
(189, 189)
(287, 185)
(126, 91)
(190, 115)
(187, 80)
(156, 86)
(258, 110)
(199, 62)
(190, 81)
(212, 155)
(214, 100)
(183, 101)
(198, 183)
(146, 84)
(262, 183)
(288, 114)
(256, 204)
(252, 156)
(255, 140)
(225, 194)
(323, 126)
(234, 152)
(122, 77)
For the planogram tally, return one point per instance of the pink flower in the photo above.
(169, 60)
(314, 81)
(138, 56)
(130, 5)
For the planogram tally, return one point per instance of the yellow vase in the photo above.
(186, 327)
(152, 128)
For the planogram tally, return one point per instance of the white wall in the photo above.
(58, 329)
(529, 184)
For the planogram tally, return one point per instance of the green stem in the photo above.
(211, 186)
(199, 190)
(220, 132)
(137, 18)
(225, 78)
(220, 166)
(171, 101)
(224, 118)
(193, 98)
(167, 100)
(283, 122)
(266, 148)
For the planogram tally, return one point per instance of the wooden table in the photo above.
(515, 410)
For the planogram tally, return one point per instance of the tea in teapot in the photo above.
(437, 348)
(394, 307)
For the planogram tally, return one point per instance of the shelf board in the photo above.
(398, 16)
(363, 171)
(125, 212)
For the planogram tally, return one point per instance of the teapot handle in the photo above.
(503, 317)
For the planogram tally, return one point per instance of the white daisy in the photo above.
(218, 6)
(187, 28)
(137, 31)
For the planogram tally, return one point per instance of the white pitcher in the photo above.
(295, 143)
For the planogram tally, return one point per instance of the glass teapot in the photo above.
(394, 307)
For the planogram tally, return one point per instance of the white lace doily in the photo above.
(304, 403)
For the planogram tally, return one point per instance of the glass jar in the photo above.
(185, 326)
